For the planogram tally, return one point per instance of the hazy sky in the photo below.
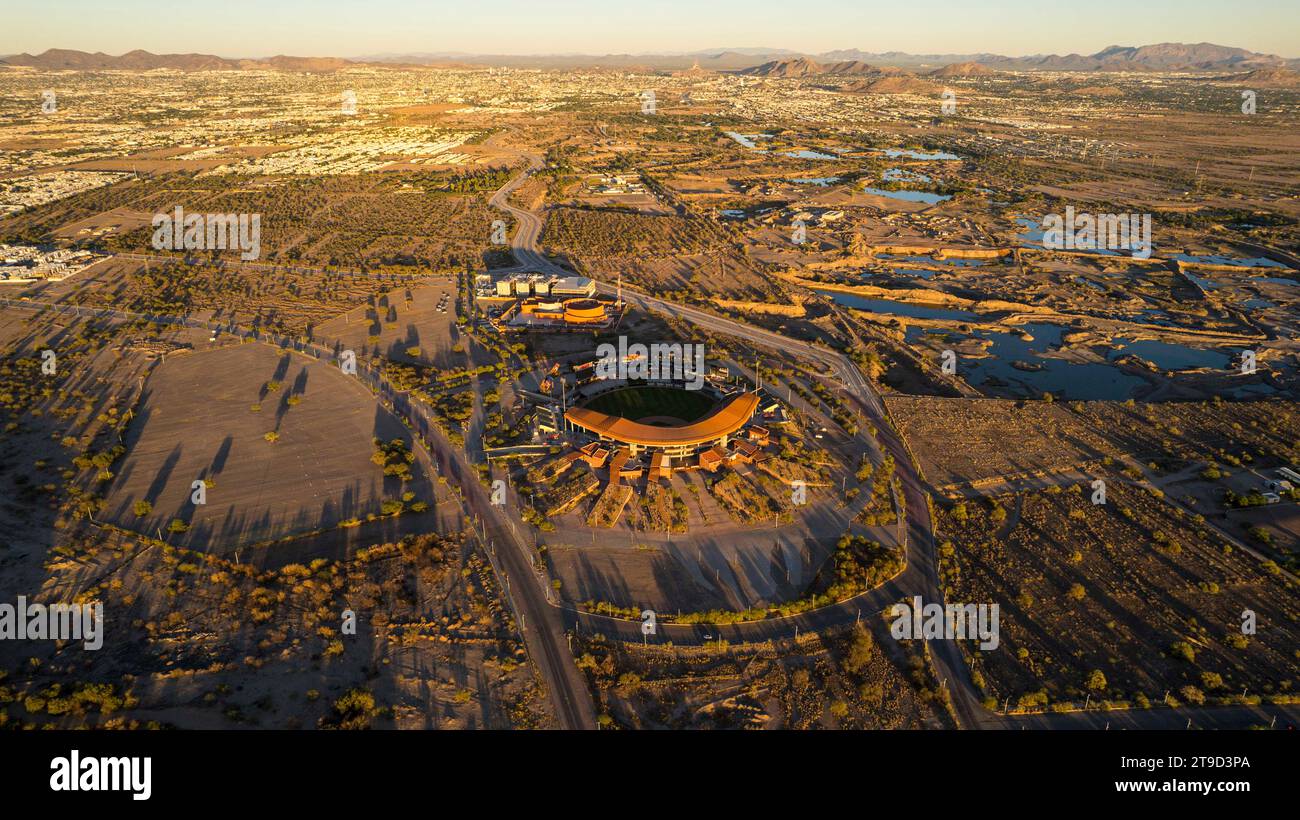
(345, 28)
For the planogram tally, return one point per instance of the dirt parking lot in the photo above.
(197, 421)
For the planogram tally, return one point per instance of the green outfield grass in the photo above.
(645, 402)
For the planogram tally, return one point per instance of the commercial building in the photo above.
(523, 285)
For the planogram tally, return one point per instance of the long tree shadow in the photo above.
(159, 482)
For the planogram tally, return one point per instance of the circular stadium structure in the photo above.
(642, 421)
(584, 311)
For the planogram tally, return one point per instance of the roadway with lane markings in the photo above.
(921, 576)
(543, 622)
(540, 624)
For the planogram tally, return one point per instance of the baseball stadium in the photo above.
(660, 419)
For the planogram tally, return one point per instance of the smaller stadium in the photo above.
(534, 302)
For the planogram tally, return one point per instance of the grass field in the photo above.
(648, 402)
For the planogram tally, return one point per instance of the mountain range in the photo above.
(62, 58)
(804, 67)
(1198, 57)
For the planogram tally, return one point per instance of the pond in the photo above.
(1257, 262)
(1169, 355)
(903, 175)
(748, 141)
(806, 154)
(910, 196)
(930, 260)
(894, 153)
(819, 181)
(924, 273)
(1033, 238)
(896, 308)
(1016, 364)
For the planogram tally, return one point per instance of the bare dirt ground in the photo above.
(1135, 589)
(200, 640)
(406, 319)
(315, 475)
(1005, 441)
(194, 641)
(966, 442)
(286, 300)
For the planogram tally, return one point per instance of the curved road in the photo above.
(543, 622)
(523, 245)
(921, 576)
(539, 623)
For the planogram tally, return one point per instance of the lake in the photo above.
(910, 196)
(896, 308)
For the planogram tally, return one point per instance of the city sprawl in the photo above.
(710, 391)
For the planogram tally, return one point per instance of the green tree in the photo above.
(861, 649)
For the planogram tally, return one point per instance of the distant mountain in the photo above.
(967, 69)
(851, 67)
(804, 67)
(751, 52)
(761, 62)
(1179, 55)
(58, 59)
(1267, 78)
(67, 59)
(1158, 57)
(284, 63)
(709, 60)
(899, 84)
(798, 67)
(902, 59)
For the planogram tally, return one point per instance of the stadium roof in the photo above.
(726, 420)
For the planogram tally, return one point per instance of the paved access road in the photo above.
(540, 624)
(921, 577)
